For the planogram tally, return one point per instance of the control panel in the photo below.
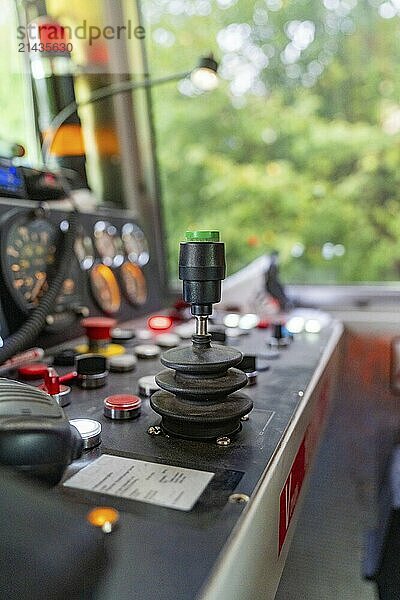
(110, 273)
(186, 434)
(176, 505)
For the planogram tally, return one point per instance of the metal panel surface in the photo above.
(251, 564)
(219, 549)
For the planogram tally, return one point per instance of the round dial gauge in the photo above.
(28, 256)
(105, 288)
(134, 283)
(135, 244)
(108, 244)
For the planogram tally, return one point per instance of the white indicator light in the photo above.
(295, 325)
(87, 263)
(249, 321)
(87, 427)
(118, 260)
(144, 258)
(313, 326)
(232, 320)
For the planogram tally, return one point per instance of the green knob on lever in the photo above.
(202, 236)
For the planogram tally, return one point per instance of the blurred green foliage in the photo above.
(308, 155)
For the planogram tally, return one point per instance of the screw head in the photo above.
(223, 441)
(239, 498)
(154, 430)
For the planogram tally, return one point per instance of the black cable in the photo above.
(27, 334)
(99, 94)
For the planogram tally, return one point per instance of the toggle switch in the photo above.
(53, 385)
(280, 336)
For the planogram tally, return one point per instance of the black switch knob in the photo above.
(202, 269)
(92, 370)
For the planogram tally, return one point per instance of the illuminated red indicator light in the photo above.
(159, 322)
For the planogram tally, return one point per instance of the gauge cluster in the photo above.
(111, 272)
(115, 263)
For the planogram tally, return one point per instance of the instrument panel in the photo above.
(244, 520)
(28, 258)
(111, 272)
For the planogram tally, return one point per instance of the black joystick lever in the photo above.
(202, 269)
(199, 396)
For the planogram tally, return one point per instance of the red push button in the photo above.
(98, 328)
(122, 406)
(33, 371)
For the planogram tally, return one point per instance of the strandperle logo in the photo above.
(84, 31)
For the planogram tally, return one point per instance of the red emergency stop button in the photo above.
(32, 371)
(98, 328)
